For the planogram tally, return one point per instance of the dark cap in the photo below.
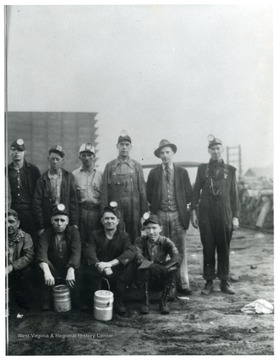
(124, 137)
(152, 219)
(13, 213)
(113, 208)
(57, 149)
(162, 144)
(60, 209)
(18, 144)
(213, 141)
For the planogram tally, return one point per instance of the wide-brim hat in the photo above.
(162, 144)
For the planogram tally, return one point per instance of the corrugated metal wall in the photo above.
(41, 130)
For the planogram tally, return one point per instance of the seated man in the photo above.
(58, 255)
(20, 254)
(109, 254)
(152, 251)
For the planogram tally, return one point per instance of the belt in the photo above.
(21, 206)
(90, 206)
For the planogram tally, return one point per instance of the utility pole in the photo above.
(235, 156)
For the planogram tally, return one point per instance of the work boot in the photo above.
(145, 306)
(119, 306)
(163, 306)
(119, 294)
(208, 288)
(225, 287)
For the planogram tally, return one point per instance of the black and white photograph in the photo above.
(139, 168)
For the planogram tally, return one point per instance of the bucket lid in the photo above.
(60, 288)
(103, 293)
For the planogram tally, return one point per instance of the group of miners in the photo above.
(81, 227)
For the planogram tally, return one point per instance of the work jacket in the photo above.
(42, 203)
(183, 190)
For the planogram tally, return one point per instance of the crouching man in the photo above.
(58, 255)
(154, 270)
(109, 254)
(20, 254)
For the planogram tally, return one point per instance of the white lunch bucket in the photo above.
(61, 298)
(103, 305)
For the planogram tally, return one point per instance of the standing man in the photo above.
(109, 254)
(88, 184)
(23, 177)
(169, 192)
(58, 256)
(55, 186)
(123, 182)
(154, 271)
(216, 189)
(20, 254)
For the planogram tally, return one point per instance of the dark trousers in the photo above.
(216, 237)
(89, 222)
(155, 281)
(20, 286)
(130, 218)
(92, 280)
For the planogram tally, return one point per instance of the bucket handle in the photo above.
(107, 282)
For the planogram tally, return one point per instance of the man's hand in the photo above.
(235, 223)
(9, 269)
(40, 232)
(108, 271)
(102, 265)
(194, 219)
(70, 278)
(49, 279)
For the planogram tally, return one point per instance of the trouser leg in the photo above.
(223, 239)
(209, 245)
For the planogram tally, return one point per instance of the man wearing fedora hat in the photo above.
(88, 185)
(55, 186)
(22, 178)
(169, 192)
(123, 182)
(58, 256)
(215, 196)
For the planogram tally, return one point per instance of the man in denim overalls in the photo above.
(123, 182)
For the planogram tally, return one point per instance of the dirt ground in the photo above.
(201, 325)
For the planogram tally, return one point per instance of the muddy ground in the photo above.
(202, 325)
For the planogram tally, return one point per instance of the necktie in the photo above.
(168, 173)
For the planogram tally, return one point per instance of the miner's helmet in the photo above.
(113, 208)
(124, 137)
(213, 141)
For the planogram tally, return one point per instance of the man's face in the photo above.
(216, 152)
(55, 161)
(59, 223)
(124, 148)
(109, 221)
(153, 231)
(87, 158)
(16, 154)
(12, 225)
(166, 154)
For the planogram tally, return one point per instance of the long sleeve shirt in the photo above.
(20, 250)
